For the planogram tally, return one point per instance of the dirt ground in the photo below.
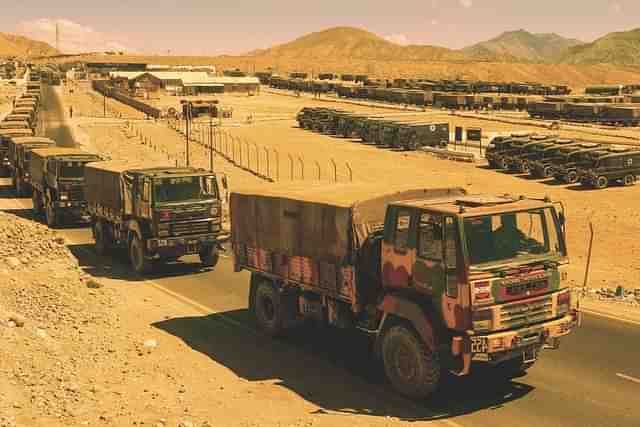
(613, 212)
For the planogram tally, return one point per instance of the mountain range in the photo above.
(14, 45)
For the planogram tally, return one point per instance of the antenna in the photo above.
(57, 37)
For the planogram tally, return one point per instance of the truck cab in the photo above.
(491, 269)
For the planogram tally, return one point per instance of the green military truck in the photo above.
(156, 214)
(538, 153)
(566, 167)
(616, 165)
(19, 159)
(57, 178)
(439, 279)
(5, 156)
(413, 136)
(501, 144)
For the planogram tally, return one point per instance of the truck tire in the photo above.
(504, 164)
(412, 369)
(267, 307)
(209, 256)
(524, 167)
(37, 203)
(629, 180)
(572, 177)
(546, 173)
(18, 187)
(101, 246)
(51, 215)
(602, 182)
(140, 264)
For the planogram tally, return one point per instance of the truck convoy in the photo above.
(156, 214)
(441, 280)
(20, 149)
(57, 178)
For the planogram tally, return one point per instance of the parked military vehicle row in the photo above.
(566, 161)
(604, 113)
(393, 130)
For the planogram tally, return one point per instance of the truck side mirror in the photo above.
(561, 218)
(225, 184)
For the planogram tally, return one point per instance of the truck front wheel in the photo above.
(51, 215)
(412, 369)
(209, 256)
(100, 238)
(140, 264)
(267, 307)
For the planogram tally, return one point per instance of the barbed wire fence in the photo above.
(264, 162)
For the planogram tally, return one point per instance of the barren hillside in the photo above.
(615, 48)
(14, 45)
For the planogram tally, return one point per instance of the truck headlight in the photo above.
(214, 211)
(64, 196)
(482, 320)
(564, 302)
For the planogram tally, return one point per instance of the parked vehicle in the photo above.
(156, 214)
(57, 178)
(440, 280)
(565, 166)
(621, 167)
(542, 167)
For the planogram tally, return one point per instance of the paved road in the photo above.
(592, 380)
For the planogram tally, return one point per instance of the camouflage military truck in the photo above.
(156, 214)
(20, 157)
(617, 165)
(441, 281)
(542, 165)
(57, 178)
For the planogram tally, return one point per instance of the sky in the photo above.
(212, 27)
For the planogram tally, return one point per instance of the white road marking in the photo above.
(628, 378)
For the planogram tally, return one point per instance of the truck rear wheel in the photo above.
(101, 245)
(209, 256)
(629, 180)
(140, 264)
(267, 307)
(504, 164)
(411, 368)
(572, 177)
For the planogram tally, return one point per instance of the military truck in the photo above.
(19, 118)
(15, 125)
(566, 168)
(412, 136)
(57, 178)
(19, 159)
(622, 166)
(501, 144)
(156, 214)
(518, 148)
(522, 163)
(542, 167)
(440, 280)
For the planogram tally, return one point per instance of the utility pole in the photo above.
(187, 129)
(211, 136)
(57, 36)
(104, 95)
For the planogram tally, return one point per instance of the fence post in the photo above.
(335, 170)
(350, 171)
(266, 152)
(277, 164)
(257, 158)
(301, 167)
(291, 162)
(319, 171)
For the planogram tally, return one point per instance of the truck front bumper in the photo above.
(180, 246)
(501, 346)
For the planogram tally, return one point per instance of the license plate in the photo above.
(479, 345)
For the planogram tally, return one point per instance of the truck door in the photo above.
(398, 248)
(429, 273)
(143, 197)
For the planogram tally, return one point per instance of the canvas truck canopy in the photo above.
(326, 222)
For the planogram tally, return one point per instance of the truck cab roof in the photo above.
(21, 140)
(74, 154)
(476, 204)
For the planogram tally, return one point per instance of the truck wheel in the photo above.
(100, 238)
(572, 177)
(524, 168)
(412, 369)
(18, 187)
(267, 308)
(629, 180)
(546, 173)
(35, 200)
(602, 182)
(51, 215)
(140, 264)
(209, 256)
(504, 164)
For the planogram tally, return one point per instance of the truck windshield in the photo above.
(512, 236)
(72, 170)
(180, 189)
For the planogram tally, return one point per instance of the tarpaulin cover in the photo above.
(326, 222)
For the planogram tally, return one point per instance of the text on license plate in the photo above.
(479, 345)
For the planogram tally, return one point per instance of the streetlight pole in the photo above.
(187, 128)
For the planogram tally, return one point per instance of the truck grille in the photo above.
(189, 228)
(526, 313)
(519, 289)
(76, 194)
(183, 215)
